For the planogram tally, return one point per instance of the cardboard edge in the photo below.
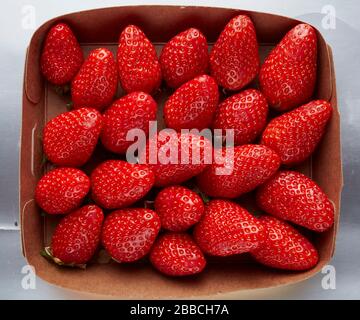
(335, 101)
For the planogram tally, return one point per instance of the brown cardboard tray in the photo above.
(102, 27)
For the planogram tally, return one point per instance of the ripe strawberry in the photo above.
(96, 82)
(178, 208)
(295, 135)
(234, 59)
(71, 137)
(192, 105)
(61, 57)
(184, 57)
(133, 111)
(176, 254)
(284, 247)
(242, 171)
(139, 68)
(226, 229)
(245, 113)
(118, 184)
(128, 234)
(292, 196)
(76, 237)
(62, 190)
(176, 157)
(288, 75)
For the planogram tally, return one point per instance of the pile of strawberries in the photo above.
(177, 213)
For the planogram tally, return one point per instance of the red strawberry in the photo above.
(76, 237)
(118, 184)
(62, 190)
(128, 234)
(242, 171)
(245, 113)
(234, 59)
(295, 135)
(176, 157)
(178, 208)
(184, 57)
(288, 75)
(61, 57)
(71, 137)
(192, 105)
(284, 247)
(95, 84)
(292, 196)
(176, 254)
(134, 111)
(139, 68)
(226, 229)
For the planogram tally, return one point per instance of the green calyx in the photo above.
(47, 253)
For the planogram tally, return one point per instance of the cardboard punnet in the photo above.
(102, 27)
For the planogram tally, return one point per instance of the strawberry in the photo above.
(292, 196)
(133, 111)
(284, 247)
(295, 134)
(184, 57)
(243, 170)
(226, 229)
(96, 82)
(192, 105)
(118, 184)
(76, 237)
(139, 68)
(62, 190)
(288, 75)
(176, 157)
(128, 234)
(245, 113)
(61, 57)
(178, 208)
(234, 58)
(70, 138)
(176, 254)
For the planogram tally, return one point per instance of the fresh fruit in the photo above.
(295, 134)
(117, 184)
(62, 190)
(284, 247)
(176, 254)
(292, 196)
(226, 229)
(288, 75)
(234, 58)
(245, 113)
(128, 234)
(184, 57)
(238, 172)
(133, 111)
(192, 106)
(76, 237)
(178, 208)
(176, 157)
(96, 82)
(71, 137)
(139, 68)
(61, 57)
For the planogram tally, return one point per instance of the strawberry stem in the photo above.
(69, 105)
(47, 253)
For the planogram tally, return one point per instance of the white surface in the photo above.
(344, 40)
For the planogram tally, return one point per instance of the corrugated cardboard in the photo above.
(40, 103)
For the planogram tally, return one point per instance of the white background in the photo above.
(344, 40)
